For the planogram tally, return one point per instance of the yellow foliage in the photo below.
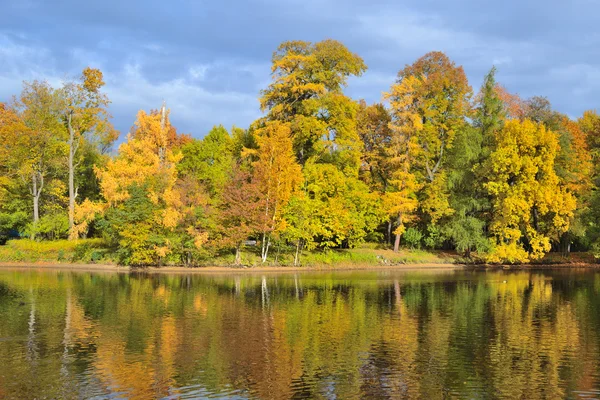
(530, 203)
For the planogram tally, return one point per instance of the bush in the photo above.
(413, 238)
(51, 227)
(25, 250)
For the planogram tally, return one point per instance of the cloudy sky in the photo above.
(209, 59)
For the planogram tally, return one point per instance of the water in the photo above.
(452, 334)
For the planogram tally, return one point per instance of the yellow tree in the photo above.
(530, 206)
(433, 95)
(400, 201)
(277, 174)
(307, 92)
(143, 203)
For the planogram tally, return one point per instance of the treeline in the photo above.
(487, 174)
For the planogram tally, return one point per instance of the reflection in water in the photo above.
(327, 335)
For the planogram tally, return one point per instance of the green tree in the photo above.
(85, 117)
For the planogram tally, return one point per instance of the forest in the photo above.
(435, 165)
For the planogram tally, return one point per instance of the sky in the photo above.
(209, 59)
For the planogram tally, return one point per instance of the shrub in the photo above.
(413, 238)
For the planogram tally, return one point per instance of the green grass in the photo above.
(94, 251)
(82, 250)
(368, 254)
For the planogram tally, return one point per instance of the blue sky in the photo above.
(209, 59)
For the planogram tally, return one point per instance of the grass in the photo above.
(368, 254)
(82, 250)
(89, 251)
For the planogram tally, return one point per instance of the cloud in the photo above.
(209, 60)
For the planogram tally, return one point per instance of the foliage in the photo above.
(413, 238)
(528, 200)
(493, 177)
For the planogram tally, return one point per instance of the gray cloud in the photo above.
(209, 59)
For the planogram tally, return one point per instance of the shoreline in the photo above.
(280, 269)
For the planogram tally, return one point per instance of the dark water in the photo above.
(528, 335)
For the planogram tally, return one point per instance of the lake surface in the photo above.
(376, 334)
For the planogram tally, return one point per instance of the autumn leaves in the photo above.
(435, 166)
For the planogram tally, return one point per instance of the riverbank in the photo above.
(91, 255)
(282, 269)
(220, 269)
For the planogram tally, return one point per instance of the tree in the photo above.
(343, 210)
(209, 160)
(469, 171)
(277, 175)
(530, 207)
(38, 108)
(84, 113)
(144, 211)
(34, 146)
(400, 200)
(373, 126)
(589, 124)
(240, 211)
(306, 91)
(432, 97)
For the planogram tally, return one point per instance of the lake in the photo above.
(360, 334)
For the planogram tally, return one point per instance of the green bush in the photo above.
(413, 238)
(26, 250)
(51, 227)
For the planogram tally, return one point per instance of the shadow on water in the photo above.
(360, 334)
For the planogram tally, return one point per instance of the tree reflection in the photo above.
(495, 335)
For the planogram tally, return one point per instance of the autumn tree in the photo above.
(468, 170)
(530, 207)
(85, 117)
(42, 150)
(143, 209)
(307, 92)
(277, 175)
(432, 96)
(589, 125)
(240, 211)
(377, 167)
(34, 151)
(400, 200)
(13, 212)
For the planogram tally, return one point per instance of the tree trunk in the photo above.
(389, 231)
(397, 241)
(72, 190)
(266, 242)
(36, 191)
(238, 256)
(296, 257)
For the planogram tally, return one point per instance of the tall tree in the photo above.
(469, 170)
(373, 126)
(308, 79)
(241, 211)
(433, 95)
(85, 115)
(33, 144)
(400, 200)
(278, 176)
(41, 143)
